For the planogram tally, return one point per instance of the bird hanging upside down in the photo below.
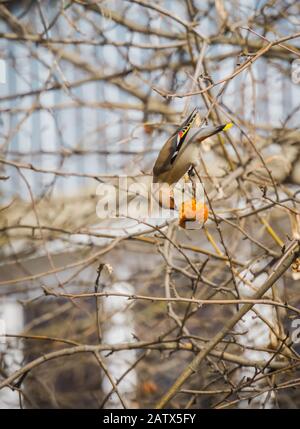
(179, 156)
(179, 153)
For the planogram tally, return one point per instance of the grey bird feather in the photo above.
(179, 152)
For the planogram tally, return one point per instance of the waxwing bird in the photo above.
(179, 153)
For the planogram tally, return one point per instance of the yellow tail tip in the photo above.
(228, 126)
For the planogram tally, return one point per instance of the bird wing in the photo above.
(170, 150)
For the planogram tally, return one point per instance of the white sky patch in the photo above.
(2, 71)
(2, 331)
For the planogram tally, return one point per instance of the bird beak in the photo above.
(205, 132)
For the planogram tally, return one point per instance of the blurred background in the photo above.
(91, 90)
